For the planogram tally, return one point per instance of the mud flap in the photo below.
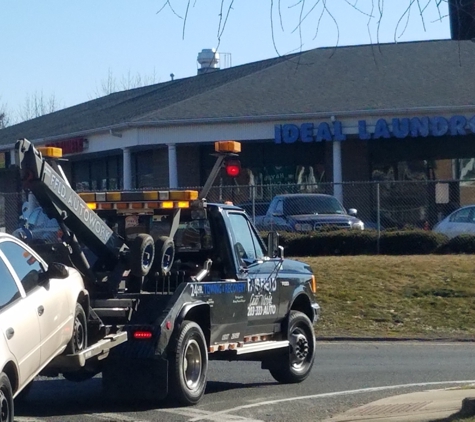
(135, 379)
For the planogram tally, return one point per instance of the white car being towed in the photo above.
(42, 315)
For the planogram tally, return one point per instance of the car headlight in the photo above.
(303, 227)
(358, 225)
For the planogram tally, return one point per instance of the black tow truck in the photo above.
(186, 281)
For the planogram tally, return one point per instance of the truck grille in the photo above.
(330, 225)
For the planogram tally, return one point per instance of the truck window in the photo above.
(194, 235)
(246, 243)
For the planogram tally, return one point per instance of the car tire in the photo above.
(78, 341)
(6, 399)
(297, 364)
(189, 365)
(142, 252)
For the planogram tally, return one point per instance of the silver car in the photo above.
(42, 315)
(461, 221)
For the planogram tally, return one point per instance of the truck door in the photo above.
(262, 288)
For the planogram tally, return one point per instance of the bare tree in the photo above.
(4, 116)
(111, 84)
(37, 105)
(291, 17)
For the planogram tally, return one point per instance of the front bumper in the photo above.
(316, 311)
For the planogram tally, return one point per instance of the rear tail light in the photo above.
(142, 335)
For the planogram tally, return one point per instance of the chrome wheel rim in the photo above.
(192, 365)
(79, 335)
(299, 349)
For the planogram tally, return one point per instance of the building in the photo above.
(401, 111)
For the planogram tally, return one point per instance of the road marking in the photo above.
(207, 415)
(214, 415)
(115, 417)
(26, 419)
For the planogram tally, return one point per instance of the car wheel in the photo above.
(6, 399)
(189, 365)
(78, 340)
(297, 364)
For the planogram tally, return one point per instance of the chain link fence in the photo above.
(380, 205)
(10, 211)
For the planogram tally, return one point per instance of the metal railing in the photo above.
(383, 205)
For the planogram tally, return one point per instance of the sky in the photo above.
(67, 51)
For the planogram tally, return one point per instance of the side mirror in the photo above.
(352, 212)
(273, 248)
(57, 270)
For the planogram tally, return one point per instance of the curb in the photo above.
(392, 339)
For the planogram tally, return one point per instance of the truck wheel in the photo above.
(189, 365)
(296, 366)
(142, 252)
(6, 399)
(165, 248)
(78, 341)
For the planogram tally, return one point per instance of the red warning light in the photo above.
(142, 335)
(233, 168)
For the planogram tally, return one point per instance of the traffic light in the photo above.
(233, 167)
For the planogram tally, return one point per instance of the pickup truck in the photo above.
(303, 212)
(185, 280)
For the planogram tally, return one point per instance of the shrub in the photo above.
(355, 242)
(464, 243)
(410, 242)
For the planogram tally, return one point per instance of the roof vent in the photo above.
(208, 58)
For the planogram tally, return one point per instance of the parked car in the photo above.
(255, 209)
(303, 212)
(461, 221)
(42, 315)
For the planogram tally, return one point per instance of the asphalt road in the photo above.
(345, 375)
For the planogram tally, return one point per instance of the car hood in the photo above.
(290, 265)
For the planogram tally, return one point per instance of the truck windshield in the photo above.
(194, 235)
(312, 205)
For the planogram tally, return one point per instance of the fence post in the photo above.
(253, 198)
(378, 217)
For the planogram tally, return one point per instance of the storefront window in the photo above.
(143, 176)
(98, 174)
(81, 177)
